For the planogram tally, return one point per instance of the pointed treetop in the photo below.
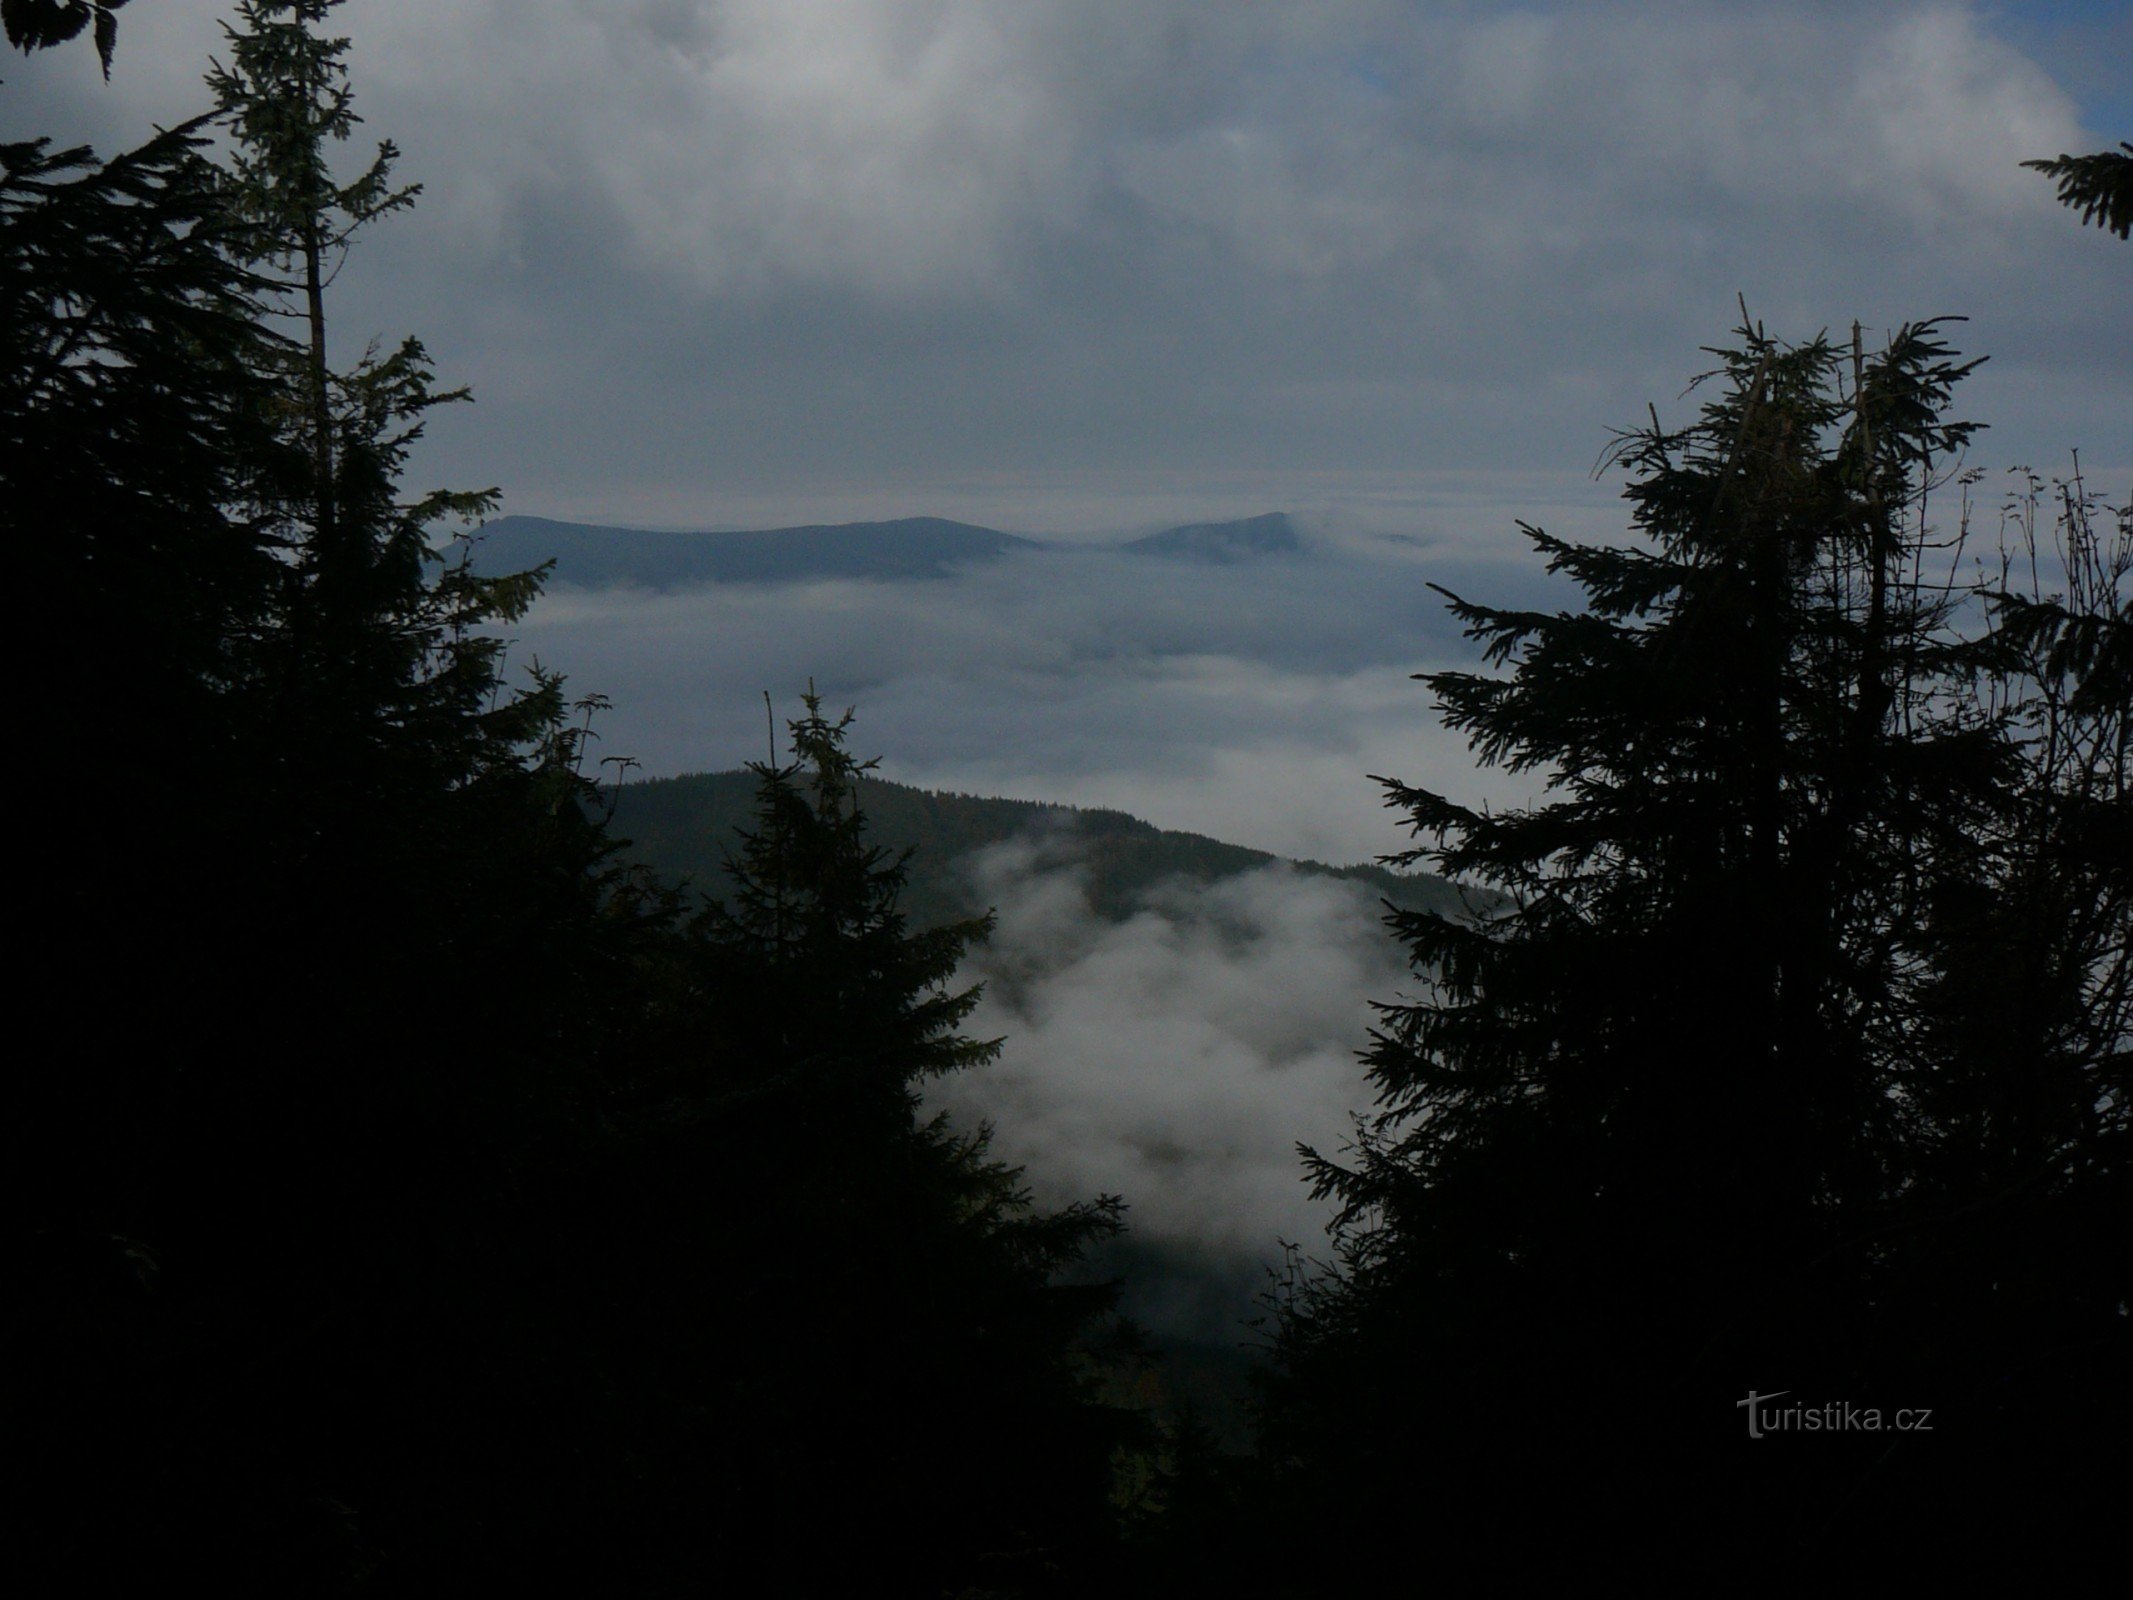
(285, 93)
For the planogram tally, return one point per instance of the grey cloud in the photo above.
(814, 247)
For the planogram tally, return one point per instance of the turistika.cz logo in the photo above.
(1835, 1416)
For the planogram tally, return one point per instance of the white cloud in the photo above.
(1175, 1058)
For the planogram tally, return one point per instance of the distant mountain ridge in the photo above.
(683, 827)
(596, 557)
(588, 556)
(1273, 534)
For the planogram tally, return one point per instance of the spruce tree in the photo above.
(919, 1411)
(132, 421)
(384, 638)
(314, 968)
(403, 783)
(1642, 1136)
(858, 999)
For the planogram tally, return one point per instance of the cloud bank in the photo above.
(771, 260)
(1249, 702)
(1178, 1057)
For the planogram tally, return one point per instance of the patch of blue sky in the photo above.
(2087, 47)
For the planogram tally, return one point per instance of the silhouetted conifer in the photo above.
(305, 985)
(1647, 1139)
(2099, 186)
(888, 1386)
(41, 24)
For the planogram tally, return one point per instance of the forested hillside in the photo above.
(914, 547)
(685, 828)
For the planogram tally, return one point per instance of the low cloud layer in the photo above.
(1251, 702)
(1176, 1058)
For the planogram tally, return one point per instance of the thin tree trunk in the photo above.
(321, 411)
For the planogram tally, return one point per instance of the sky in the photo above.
(1075, 265)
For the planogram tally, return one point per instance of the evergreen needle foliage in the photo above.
(1675, 1120)
(41, 24)
(904, 1398)
(2099, 186)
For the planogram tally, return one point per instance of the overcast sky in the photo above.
(1079, 264)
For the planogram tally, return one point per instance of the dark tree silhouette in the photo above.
(41, 24)
(132, 422)
(905, 1398)
(1647, 1141)
(304, 982)
(2099, 186)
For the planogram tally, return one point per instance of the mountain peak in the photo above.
(1247, 539)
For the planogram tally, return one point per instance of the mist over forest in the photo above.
(1237, 698)
(1175, 796)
